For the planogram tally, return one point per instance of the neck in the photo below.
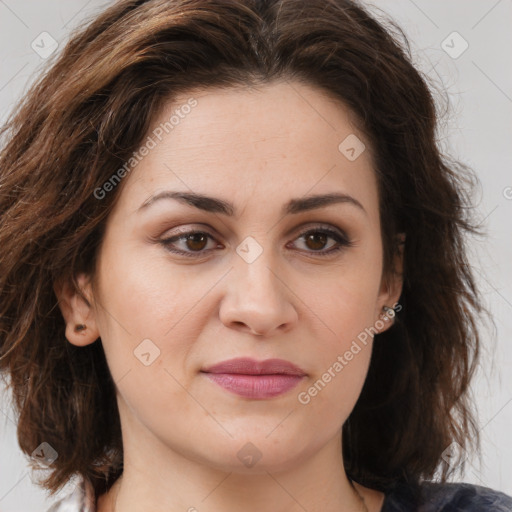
(316, 483)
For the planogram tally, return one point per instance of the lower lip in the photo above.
(255, 386)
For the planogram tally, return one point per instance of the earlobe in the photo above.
(78, 314)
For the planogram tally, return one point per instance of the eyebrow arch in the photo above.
(215, 205)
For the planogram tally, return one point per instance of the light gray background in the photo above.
(478, 132)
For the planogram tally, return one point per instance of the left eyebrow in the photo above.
(216, 205)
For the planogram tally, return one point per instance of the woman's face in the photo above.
(251, 284)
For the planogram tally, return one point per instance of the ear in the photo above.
(391, 289)
(77, 311)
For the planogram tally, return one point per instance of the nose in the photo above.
(258, 298)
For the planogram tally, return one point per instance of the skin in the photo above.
(256, 148)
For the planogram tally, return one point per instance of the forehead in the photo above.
(279, 140)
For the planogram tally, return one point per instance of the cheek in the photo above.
(150, 329)
(343, 310)
(329, 399)
(342, 361)
(148, 314)
(145, 292)
(342, 304)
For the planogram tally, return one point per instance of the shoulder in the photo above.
(81, 499)
(446, 497)
(465, 497)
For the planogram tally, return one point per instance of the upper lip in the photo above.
(248, 366)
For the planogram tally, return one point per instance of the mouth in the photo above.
(255, 379)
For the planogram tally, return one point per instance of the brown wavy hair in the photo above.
(84, 118)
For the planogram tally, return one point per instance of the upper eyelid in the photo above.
(299, 231)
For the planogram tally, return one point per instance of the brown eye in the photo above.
(196, 241)
(316, 240)
(192, 243)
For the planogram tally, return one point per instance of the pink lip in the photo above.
(255, 379)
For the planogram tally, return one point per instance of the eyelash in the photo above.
(342, 241)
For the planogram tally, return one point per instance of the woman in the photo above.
(234, 272)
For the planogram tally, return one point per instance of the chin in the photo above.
(257, 454)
